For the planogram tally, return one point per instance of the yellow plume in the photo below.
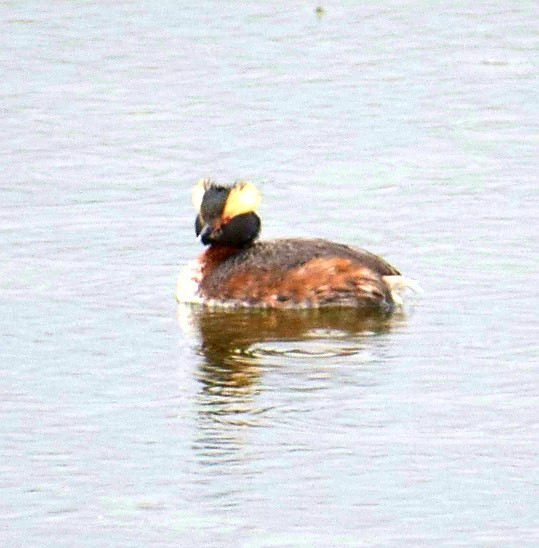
(198, 192)
(243, 198)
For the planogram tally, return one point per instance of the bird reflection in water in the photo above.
(233, 341)
(239, 345)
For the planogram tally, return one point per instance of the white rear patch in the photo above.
(399, 284)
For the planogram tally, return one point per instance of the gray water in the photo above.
(408, 128)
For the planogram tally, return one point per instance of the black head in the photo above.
(226, 214)
(213, 201)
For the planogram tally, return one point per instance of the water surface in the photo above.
(129, 421)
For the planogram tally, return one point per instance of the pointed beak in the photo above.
(205, 234)
(208, 233)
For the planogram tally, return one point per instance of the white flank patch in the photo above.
(188, 282)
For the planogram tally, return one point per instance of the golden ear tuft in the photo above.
(243, 198)
(198, 192)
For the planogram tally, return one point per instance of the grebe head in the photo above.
(226, 214)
